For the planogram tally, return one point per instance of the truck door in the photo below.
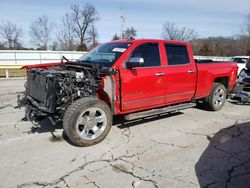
(180, 74)
(143, 87)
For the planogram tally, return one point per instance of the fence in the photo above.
(15, 59)
(28, 57)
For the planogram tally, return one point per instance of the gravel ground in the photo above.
(192, 148)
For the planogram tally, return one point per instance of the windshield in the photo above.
(105, 54)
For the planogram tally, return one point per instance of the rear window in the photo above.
(177, 54)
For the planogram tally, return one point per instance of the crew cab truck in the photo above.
(136, 78)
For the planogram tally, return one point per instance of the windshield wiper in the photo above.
(87, 61)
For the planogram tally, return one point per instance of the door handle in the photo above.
(160, 74)
(191, 71)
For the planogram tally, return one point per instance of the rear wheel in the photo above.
(87, 121)
(217, 97)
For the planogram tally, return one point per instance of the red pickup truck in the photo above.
(136, 78)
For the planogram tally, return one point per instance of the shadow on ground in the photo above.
(45, 125)
(238, 103)
(48, 125)
(121, 123)
(226, 160)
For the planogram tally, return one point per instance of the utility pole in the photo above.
(122, 24)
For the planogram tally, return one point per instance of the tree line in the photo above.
(75, 31)
(238, 44)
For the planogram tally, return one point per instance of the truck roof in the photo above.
(151, 40)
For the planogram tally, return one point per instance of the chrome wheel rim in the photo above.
(91, 123)
(218, 97)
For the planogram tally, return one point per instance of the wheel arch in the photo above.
(224, 81)
(107, 92)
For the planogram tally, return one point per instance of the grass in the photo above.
(13, 73)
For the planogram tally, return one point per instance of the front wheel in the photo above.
(217, 97)
(87, 121)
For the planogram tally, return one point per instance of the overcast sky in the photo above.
(207, 17)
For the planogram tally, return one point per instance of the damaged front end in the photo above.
(49, 92)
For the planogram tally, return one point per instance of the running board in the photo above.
(157, 111)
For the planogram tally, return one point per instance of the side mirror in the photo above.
(135, 62)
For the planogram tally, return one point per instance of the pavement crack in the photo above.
(42, 184)
(97, 170)
(208, 136)
(225, 116)
(171, 144)
(91, 182)
(109, 151)
(82, 167)
(105, 153)
(134, 175)
(232, 169)
(205, 171)
(210, 184)
(66, 184)
(134, 155)
(226, 152)
(126, 132)
(151, 172)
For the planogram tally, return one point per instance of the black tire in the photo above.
(217, 97)
(78, 121)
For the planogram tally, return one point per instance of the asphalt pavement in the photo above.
(191, 148)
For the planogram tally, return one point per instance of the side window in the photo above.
(177, 54)
(149, 52)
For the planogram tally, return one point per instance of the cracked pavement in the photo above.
(192, 148)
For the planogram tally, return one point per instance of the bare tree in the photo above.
(2, 47)
(40, 31)
(129, 33)
(246, 35)
(92, 36)
(65, 34)
(246, 26)
(55, 46)
(83, 17)
(11, 35)
(115, 37)
(172, 32)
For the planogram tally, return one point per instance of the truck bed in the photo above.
(208, 70)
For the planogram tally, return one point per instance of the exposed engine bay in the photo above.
(50, 91)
